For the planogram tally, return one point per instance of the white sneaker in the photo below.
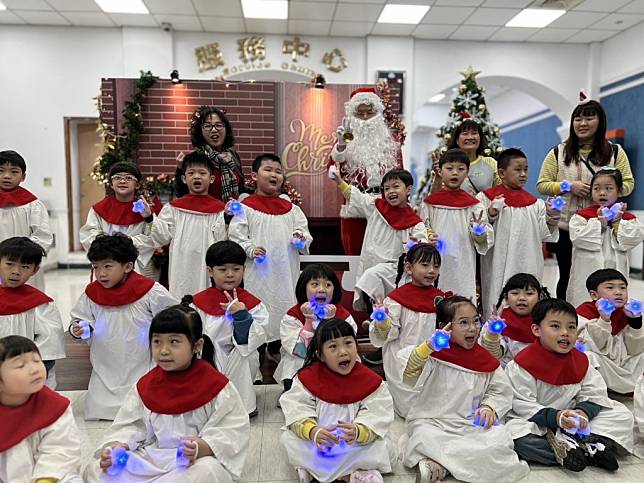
(366, 476)
(430, 472)
(303, 476)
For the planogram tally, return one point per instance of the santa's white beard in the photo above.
(372, 152)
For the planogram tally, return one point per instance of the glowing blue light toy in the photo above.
(479, 421)
(119, 461)
(580, 346)
(259, 259)
(634, 306)
(496, 326)
(337, 448)
(577, 430)
(565, 186)
(478, 229)
(299, 243)
(83, 324)
(612, 212)
(138, 206)
(557, 203)
(606, 306)
(410, 244)
(228, 315)
(379, 314)
(182, 461)
(441, 245)
(320, 311)
(440, 340)
(235, 208)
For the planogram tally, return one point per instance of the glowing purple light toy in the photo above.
(557, 203)
(182, 461)
(565, 186)
(410, 244)
(259, 259)
(299, 243)
(612, 212)
(441, 245)
(634, 306)
(83, 324)
(138, 206)
(479, 421)
(379, 314)
(119, 461)
(496, 326)
(606, 306)
(440, 340)
(234, 208)
(580, 346)
(479, 229)
(577, 430)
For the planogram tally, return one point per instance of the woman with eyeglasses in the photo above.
(212, 134)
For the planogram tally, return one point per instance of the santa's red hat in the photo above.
(365, 90)
(364, 95)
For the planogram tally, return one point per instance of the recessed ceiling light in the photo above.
(437, 98)
(2, 6)
(276, 9)
(534, 17)
(408, 14)
(122, 6)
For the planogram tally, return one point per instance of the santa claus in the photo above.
(364, 152)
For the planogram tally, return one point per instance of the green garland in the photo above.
(123, 147)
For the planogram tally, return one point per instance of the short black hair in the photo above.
(124, 167)
(454, 155)
(614, 173)
(503, 161)
(225, 251)
(446, 309)
(400, 174)
(22, 250)
(325, 331)
(522, 281)
(419, 253)
(542, 307)
(317, 270)
(16, 345)
(199, 118)
(193, 158)
(14, 159)
(468, 125)
(257, 162)
(117, 247)
(602, 275)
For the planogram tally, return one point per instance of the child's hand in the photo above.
(323, 438)
(76, 330)
(377, 315)
(307, 311)
(147, 211)
(330, 311)
(233, 305)
(350, 431)
(106, 455)
(495, 325)
(620, 213)
(566, 419)
(259, 252)
(497, 205)
(605, 308)
(194, 448)
(441, 337)
(552, 214)
(476, 222)
(485, 417)
(583, 419)
(602, 219)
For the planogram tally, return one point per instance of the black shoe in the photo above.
(374, 358)
(600, 453)
(567, 451)
(253, 413)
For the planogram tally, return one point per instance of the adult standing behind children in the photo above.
(576, 160)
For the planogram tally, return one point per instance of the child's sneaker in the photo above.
(567, 450)
(599, 452)
(366, 476)
(430, 472)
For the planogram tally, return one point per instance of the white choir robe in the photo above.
(30, 220)
(510, 347)
(594, 248)
(638, 413)
(458, 255)
(153, 439)
(381, 249)
(139, 233)
(118, 347)
(238, 362)
(440, 423)
(189, 234)
(518, 234)
(290, 335)
(54, 452)
(531, 395)
(43, 325)
(408, 328)
(618, 358)
(274, 280)
(375, 412)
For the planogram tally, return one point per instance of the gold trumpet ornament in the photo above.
(347, 136)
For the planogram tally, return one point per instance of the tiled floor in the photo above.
(266, 460)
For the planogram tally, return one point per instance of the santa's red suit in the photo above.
(372, 152)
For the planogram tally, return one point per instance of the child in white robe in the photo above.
(190, 224)
(21, 213)
(338, 412)
(25, 310)
(318, 292)
(411, 318)
(115, 213)
(615, 337)
(113, 316)
(452, 425)
(602, 234)
(559, 397)
(521, 223)
(273, 232)
(39, 440)
(391, 223)
(234, 319)
(461, 222)
(183, 420)
(520, 294)
(638, 413)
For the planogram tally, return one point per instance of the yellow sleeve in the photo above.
(303, 428)
(382, 329)
(416, 363)
(46, 480)
(365, 435)
(492, 342)
(491, 162)
(622, 163)
(345, 189)
(547, 183)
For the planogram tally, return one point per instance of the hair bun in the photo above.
(186, 300)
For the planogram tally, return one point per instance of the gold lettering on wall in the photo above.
(309, 153)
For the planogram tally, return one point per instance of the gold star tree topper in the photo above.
(470, 72)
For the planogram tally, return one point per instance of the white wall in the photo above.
(621, 55)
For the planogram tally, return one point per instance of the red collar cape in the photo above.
(418, 299)
(514, 198)
(340, 313)
(335, 388)
(271, 205)
(205, 204)
(618, 320)
(451, 199)
(476, 359)
(552, 368)
(117, 212)
(42, 409)
(397, 218)
(518, 326)
(177, 392)
(208, 300)
(20, 299)
(17, 197)
(126, 293)
(591, 212)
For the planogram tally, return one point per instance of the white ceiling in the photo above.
(590, 21)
